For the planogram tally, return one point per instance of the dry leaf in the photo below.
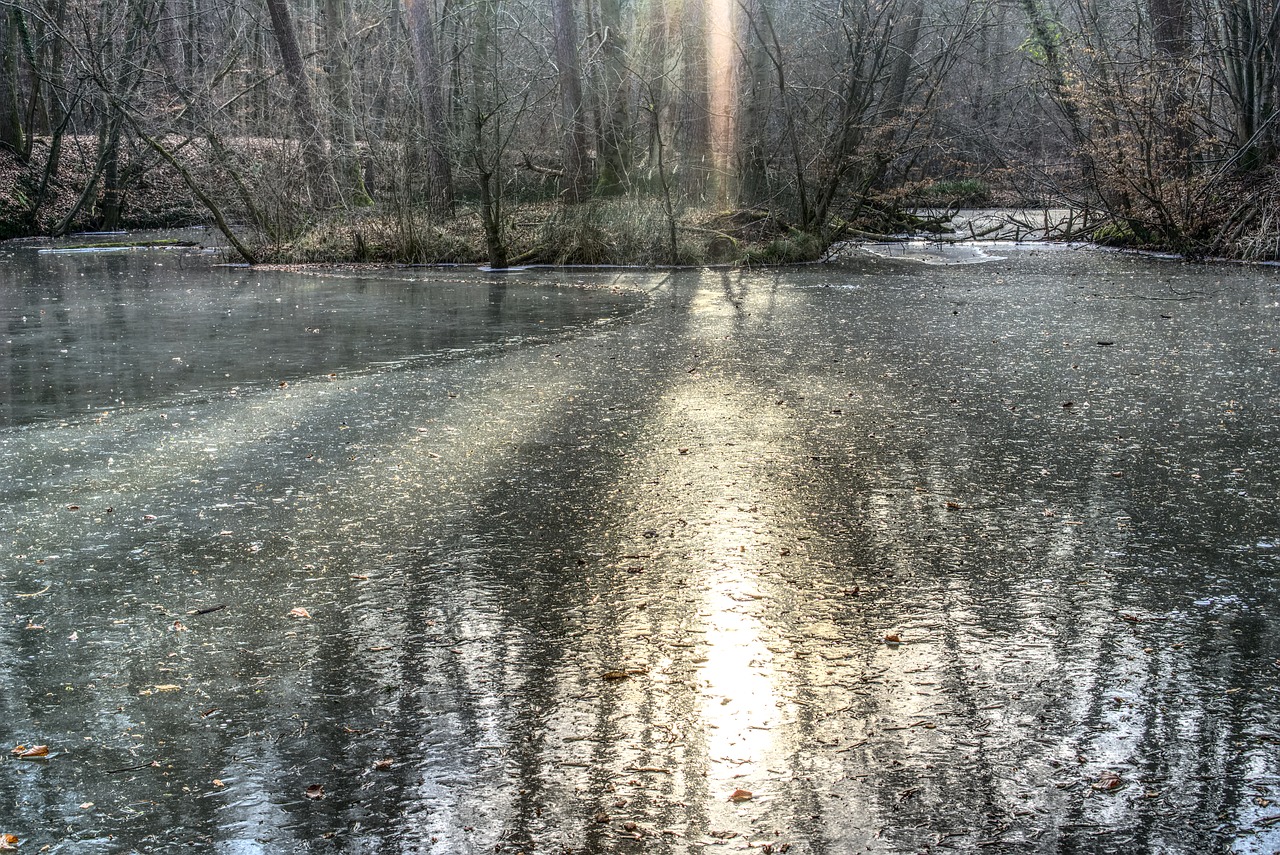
(1108, 781)
(217, 782)
(35, 752)
(167, 687)
(299, 613)
(383, 765)
(8, 842)
(315, 791)
(741, 796)
(892, 638)
(614, 675)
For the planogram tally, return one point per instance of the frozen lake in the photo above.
(881, 556)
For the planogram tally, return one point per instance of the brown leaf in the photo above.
(35, 752)
(892, 638)
(384, 764)
(614, 675)
(315, 791)
(8, 842)
(1108, 781)
(299, 613)
(741, 796)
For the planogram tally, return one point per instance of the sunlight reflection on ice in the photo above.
(927, 252)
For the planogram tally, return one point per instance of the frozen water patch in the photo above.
(928, 252)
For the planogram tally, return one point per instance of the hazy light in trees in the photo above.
(721, 74)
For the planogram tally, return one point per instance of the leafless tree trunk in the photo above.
(614, 142)
(753, 181)
(691, 135)
(574, 175)
(304, 109)
(486, 142)
(1249, 35)
(343, 119)
(430, 80)
(12, 134)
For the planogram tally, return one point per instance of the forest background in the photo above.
(637, 131)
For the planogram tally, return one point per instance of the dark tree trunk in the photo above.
(343, 118)
(614, 161)
(430, 74)
(304, 109)
(573, 182)
(12, 134)
(486, 144)
(693, 130)
(753, 165)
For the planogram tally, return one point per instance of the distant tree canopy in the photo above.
(1158, 116)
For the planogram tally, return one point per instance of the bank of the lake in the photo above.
(644, 229)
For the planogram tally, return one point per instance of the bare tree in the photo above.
(574, 178)
(431, 97)
(306, 119)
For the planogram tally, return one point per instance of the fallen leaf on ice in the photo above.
(1108, 781)
(8, 842)
(315, 791)
(35, 752)
(741, 796)
(299, 613)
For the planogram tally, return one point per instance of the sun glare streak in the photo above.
(721, 74)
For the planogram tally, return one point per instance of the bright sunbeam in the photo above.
(721, 63)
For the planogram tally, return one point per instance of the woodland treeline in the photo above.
(639, 130)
